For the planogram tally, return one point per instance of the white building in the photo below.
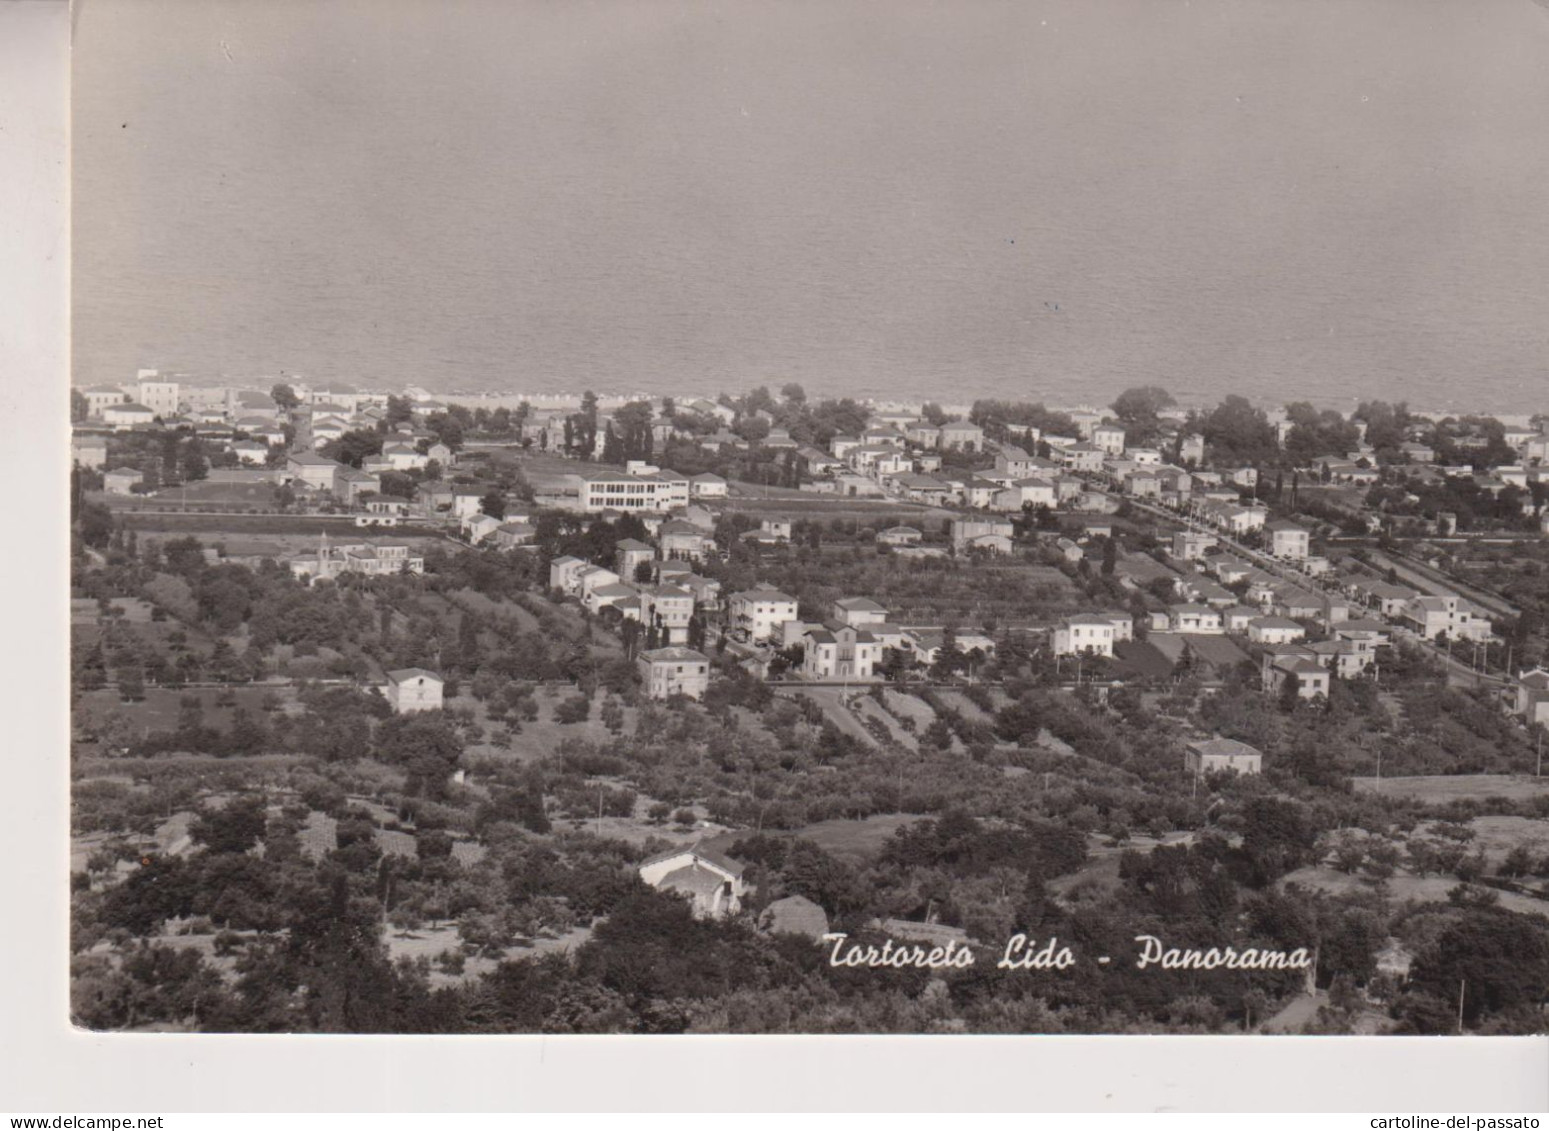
(1456, 616)
(666, 672)
(614, 490)
(89, 451)
(414, 689)
(121, 480)
(712, 883)
(1287, 541)
(761, 611)
(1110, 438)
(839, 652)
(1213, 754)
(161, 397)
(125, 416)
(1085, 634)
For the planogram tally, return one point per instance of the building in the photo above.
(668, 609)
(1388, 599)
(1086, 634)
(1110, 438)
(1211, 755)
(100, 397)
(684, 541)
(414, 689)
(510, 535)
(478, 527)
(859, 612)
(794, 915)
(1190, 545)
(125, 416)
(563, 572)
(707, 485)
(122, 481)
(712, 882)
(1191, 450)
(992, 533)
(899, 536)
(1275, 630)
(760, 611)
(89, 451)
(600, 490)
(629, 554)
(839, 651)
(161, 397)
(1297, 664)
(1532, 697)
(378, 560)
(961, 436)
(1460, 619)
(1287, 540)
(311, 470)
(1200, 619)
(1082, 457)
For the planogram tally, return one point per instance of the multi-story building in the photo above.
(89, 451)
(1532, 697)
(961, 436)
(600, 490)
(379, 560)
(100, 397)
(666, 672)
(1110, 438)
(1297, 663)
(125, 416)
(161, 397)
(760, 611)
(668, 609)
(859, 612)
(1287, 540)
(839, 651)
(1084, 634)
(1456, 616)
(312, 470)
(967, 531)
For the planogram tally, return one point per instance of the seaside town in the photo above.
(416, 712)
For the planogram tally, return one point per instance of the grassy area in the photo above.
(1440, 789)
(542, 736)
(856, 841)
(161, 706)
(1403, 888)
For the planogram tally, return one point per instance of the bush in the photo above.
(576, 709)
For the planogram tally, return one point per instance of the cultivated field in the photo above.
(1440, 789)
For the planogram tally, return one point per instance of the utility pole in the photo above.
(1462, 986)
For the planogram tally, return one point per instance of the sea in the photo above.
(1041, 199)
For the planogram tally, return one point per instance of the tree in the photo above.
(426, 745)
(235, 827)
(1498, 960)
(1139, 409)
(78, 406)
(285, 397)
(494, 503)
(1238, 433)
(353, 447)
